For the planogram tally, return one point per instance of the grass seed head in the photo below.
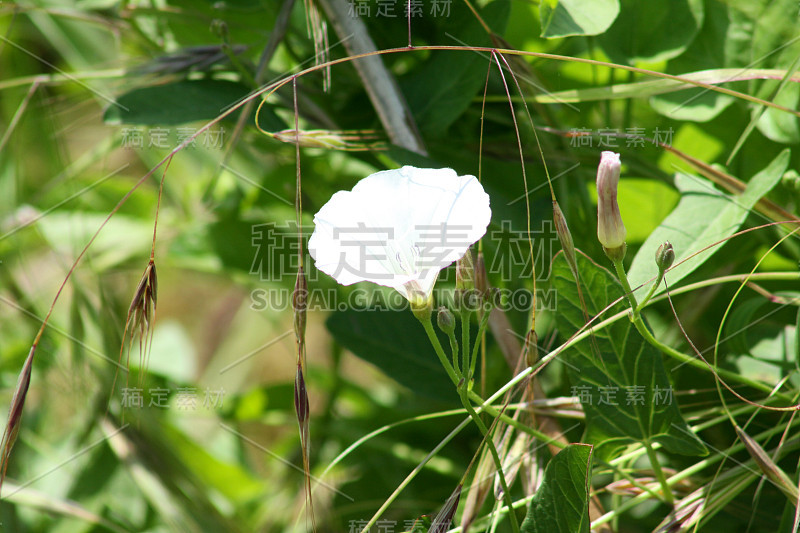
(15, 414)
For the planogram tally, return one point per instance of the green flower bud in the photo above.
(665, 256)
(564, 235)
(791, 180)
(421, 304)
(445, 320)
(610, 230)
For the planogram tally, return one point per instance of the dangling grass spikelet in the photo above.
(302, 410)
(15, 415)
(139, 322)
(444, 517)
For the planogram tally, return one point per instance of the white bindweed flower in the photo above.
(399, 228)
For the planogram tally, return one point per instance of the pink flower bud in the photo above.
(610, 229)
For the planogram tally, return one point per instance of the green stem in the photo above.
(669, 498)
(437, 346)
(650, 294)
(520, 426)
(675, 354)
(454, 349)
(626, 286)
(487, 437)
(465, 323)
(481, 329)
(642, 328)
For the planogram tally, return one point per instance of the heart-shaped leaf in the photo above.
(622, 385)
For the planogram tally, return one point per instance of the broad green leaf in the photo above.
(561, 505)
(395, 342)
(652, 31)
(702, 217)
(624, 388)
(758, 29)
(777, 125)
(696, 105)
(443, 88)
(701, 105)
(175, 103)
(561, 18)
(761, 339)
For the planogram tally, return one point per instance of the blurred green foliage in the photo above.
(94, 94)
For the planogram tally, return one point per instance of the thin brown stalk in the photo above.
(300, 310)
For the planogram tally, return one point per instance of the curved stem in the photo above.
(680, 356)
(636, 318)
(437, 346)
(455, 351)
(481, 330)
(669, 498)
(465, 363)
(463, 393)
(650, 294)
(626, 286)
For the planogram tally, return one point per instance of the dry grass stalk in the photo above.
(300, 308)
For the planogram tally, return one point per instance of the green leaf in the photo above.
(708, 48)
(396, 343)
(562, 502)
(624, 388)
(652, 31)
(780, 126)
(443, 88)
(175, 103)
(702, 217)
(561, 18)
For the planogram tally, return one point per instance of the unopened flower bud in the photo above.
(791, 179)
(665, 256)
(446, 320)
(610, 229)
(220, 29)
(564, 235)
(421, 304)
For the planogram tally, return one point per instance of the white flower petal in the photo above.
(399, 226)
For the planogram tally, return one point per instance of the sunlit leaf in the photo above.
(702, 217)
(560, 18)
